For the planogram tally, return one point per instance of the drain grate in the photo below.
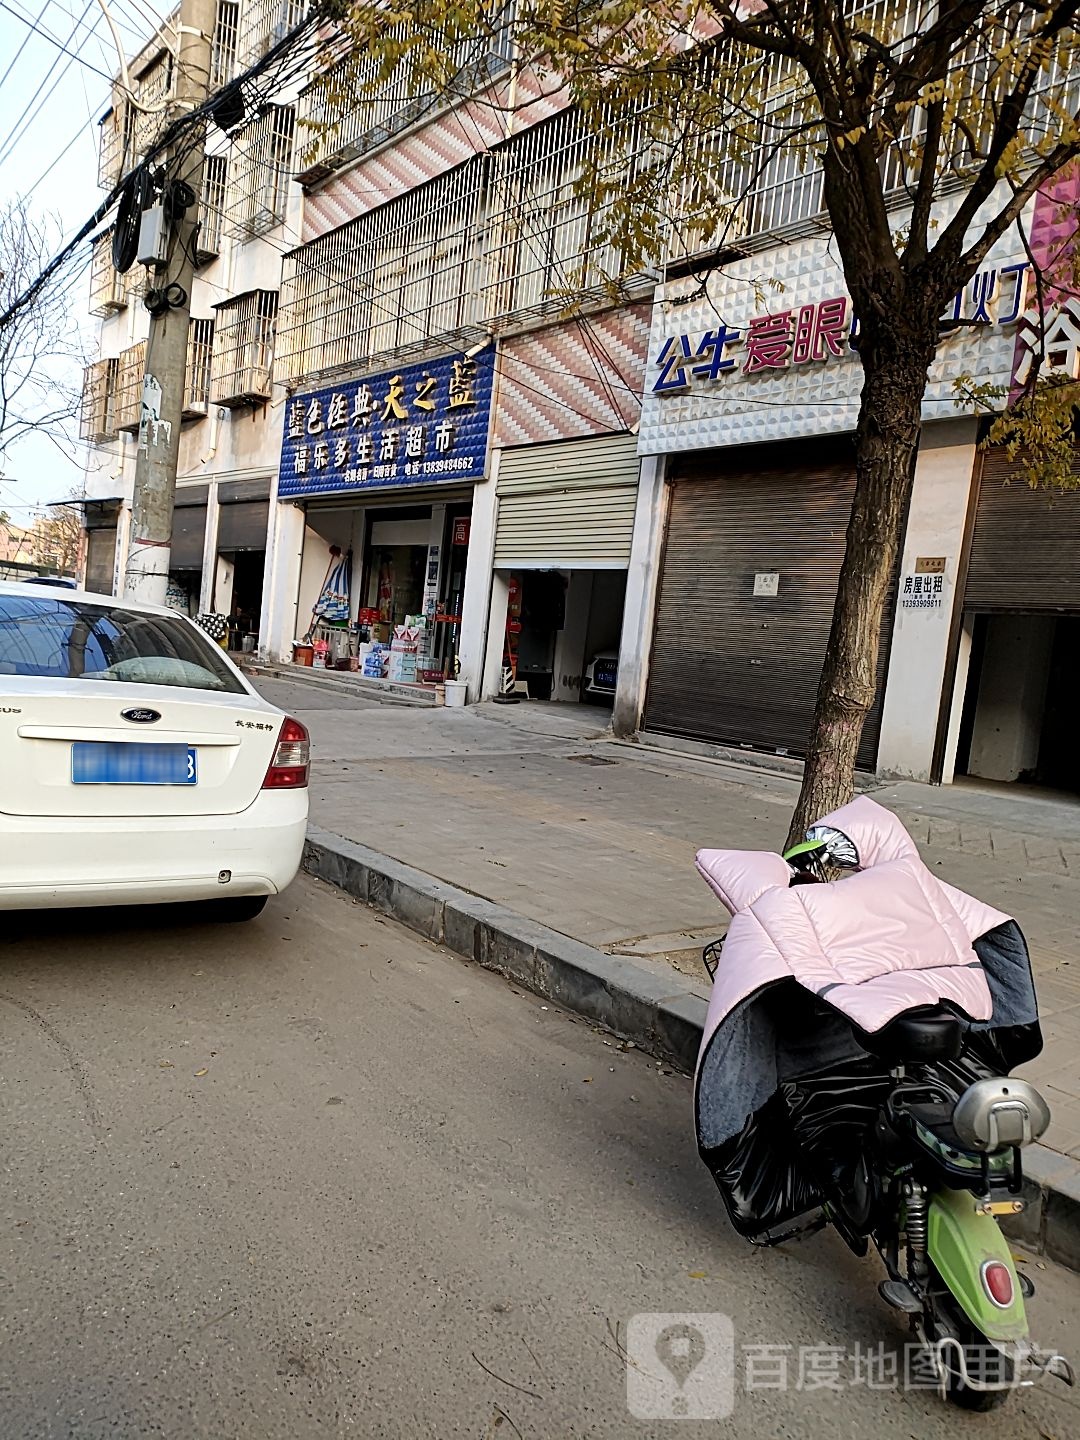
(592, 760)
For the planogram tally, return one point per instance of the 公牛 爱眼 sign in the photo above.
(414, 425)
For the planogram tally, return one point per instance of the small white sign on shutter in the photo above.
(767, 583)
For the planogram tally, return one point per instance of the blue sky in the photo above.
(48, 159)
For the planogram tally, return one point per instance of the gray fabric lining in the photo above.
(750, 1055)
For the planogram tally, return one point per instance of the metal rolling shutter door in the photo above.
(188, 537)
(567, 506)
(242, 525)
(730, 667)
(1025, 547)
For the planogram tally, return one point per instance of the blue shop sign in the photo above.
(414, 425)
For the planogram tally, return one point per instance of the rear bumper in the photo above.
(53, 861)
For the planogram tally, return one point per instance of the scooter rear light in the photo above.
(288, 769)
(998, 1283)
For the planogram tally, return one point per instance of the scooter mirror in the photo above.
(840, 851)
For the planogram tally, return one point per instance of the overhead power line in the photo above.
(293, 51)
(35, 103)
(26, 40)
(86, 124)
(121, 20)
(60, 45)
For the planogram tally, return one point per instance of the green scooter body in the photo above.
(960, 1240)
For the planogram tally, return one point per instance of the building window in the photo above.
(108, 288)
(261, 169)
(129, 385)
(263, 23)
(197, 374)
(127, 131)
(543, 242)
(97, 421)
(223, 50)
(389, 280)
(154, 88)
(212, 207)
(116, 153)
(243, 349)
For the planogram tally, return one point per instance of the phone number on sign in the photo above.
(921, 602)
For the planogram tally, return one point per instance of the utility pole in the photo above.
(156, 460)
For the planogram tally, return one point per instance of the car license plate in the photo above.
(605, 677)
(120, 762)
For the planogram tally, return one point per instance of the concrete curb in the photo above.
(664, 1017)
(660, 1015)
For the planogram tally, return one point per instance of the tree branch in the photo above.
(1006, 128)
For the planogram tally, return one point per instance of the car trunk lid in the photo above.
(230, 737)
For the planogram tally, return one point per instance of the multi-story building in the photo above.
(449, 423)
(548, 481)
(249, 213)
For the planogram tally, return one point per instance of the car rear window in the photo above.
(71, 640)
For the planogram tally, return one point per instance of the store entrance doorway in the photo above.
(1021, 701)
(562, 633)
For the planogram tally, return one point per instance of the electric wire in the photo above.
(263, 71)
(26, 40)
(121, 21)
(34, 103)
(61, 45)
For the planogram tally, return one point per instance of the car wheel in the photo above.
(242, 907)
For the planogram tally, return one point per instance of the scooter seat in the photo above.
(926, 1033)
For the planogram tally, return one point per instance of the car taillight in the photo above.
(292, 755)
(998, 1283)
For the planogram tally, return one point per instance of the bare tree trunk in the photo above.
(886, 447)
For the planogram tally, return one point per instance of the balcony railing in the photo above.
(197, 373)
(243, 351)
(223, 51)
(97, 419)
(154, 87)
(263, 23)
(128, 131)
(260, 168)
(212, 208)
(108, 288)
(114, 145)
(129, 387)
(773, 186)
(346, 113)
(544, 243)
(386, 281)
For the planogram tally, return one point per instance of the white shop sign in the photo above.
(767, 349)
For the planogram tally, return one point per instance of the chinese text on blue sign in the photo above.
(417, 424)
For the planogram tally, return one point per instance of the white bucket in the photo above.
(455, 692)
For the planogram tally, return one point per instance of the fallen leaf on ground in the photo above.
(200, 1073)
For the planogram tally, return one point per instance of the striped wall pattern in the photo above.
(550, 389)
(420, 155)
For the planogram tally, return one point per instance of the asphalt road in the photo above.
(312, 1176)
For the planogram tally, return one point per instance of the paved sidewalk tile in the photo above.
(508, 803)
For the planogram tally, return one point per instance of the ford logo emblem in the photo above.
(139, 716)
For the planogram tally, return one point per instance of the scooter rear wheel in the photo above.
(981, 1356)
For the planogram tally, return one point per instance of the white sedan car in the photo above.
(137, 764)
